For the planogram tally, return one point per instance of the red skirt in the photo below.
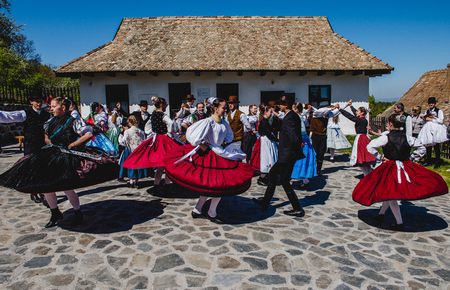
(255, 159)
(382, 184)
(363, 156)
(148, 155)
(208, 173)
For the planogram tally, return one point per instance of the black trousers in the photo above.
(280, 173)
(437, 152)
(319, 143)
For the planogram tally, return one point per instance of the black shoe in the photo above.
(121, 179)
(77, 218)
(379, 218)
(197, 215)
(33, 197)
(55, 218)
(215, 219)
(295, 212)
(397, 227)
(259, 202)
(262, 181)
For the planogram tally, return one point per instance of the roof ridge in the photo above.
(225, 17)
(434, 71)
(361, 49)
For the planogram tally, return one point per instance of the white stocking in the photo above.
(212, 208)
(200, 203)
(396, 211)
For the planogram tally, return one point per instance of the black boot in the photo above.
(55, 218)
(319, 168)
(77, 218)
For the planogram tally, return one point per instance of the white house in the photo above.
(256, 58)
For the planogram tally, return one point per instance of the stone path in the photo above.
(134, 240)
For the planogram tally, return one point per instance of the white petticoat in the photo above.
(433, 133)
(269, 154)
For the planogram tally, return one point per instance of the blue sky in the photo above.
(412, 36)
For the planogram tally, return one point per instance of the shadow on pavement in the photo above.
(320, 197)
(111, 216)
(173, 191)
(415, 219)
(240, 210)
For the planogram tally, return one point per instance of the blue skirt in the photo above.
(102, 142)
(130, 173)
(306, 167)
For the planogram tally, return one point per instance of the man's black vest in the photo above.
(33, 130)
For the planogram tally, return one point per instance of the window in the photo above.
(115, 94)
(225, 90)
(320, 95)
(177, 94)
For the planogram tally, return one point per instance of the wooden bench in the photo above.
(20, 141)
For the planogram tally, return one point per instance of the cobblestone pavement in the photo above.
(132, 239)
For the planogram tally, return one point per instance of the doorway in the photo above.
(115, 94)
(177, 92)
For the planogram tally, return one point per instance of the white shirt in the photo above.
(381, 141)
(208, 131)
(8, 117)
(132, 138)
(325, 113)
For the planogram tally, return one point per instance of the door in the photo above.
(117, 93)
(177, 93)
(225, 90)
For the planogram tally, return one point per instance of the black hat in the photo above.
(432, 100)
(143, 103)
(35, 98)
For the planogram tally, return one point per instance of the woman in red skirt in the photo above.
(151, 152)
(397, 178)
(360, 156)
(209, 168)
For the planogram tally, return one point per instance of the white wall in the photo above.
(144, 85)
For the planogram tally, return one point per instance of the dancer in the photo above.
(289, 151)
(265, 152)
(304, 168)
(98, 120)
(433, 133)
(397, 178)
(151, 152)
(63, 165)
(131, 138)
(33, 129)
(417, 121)
(360, 156)
(399, 108)
(238, 121)
(249, 138)
(210, 169)
(335, 138)
(142, 116)
(318, 128)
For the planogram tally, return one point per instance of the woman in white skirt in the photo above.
(265, 151)
(335, 138)
(433, 132)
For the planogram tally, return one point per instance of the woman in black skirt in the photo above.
(62, 165)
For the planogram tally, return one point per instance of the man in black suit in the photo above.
(142, 116)
(289, 151)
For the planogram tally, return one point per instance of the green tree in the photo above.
(376, 107)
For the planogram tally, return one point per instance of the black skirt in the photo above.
(248, 141)
(50, 170)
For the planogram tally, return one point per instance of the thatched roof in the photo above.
(226, 44)
(435, 83)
